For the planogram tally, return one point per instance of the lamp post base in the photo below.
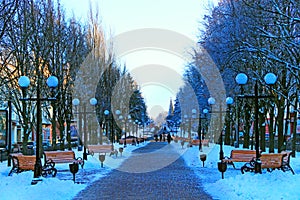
(257, 166)
(35, 181)
(84, 154)
(37, 170)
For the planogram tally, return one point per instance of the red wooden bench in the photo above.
(239, 155)
(58, 157)
(26, 163)
(105, 148)
(269, 161)
(204, 142)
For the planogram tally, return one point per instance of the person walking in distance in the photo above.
(169, 138)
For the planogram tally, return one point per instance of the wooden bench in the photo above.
(26, 163)
(269, 161)
(128, 141)
(105, 148)
(204, 142)
(239, 155)
(58, 157)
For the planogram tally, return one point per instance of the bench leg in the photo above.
(287, 167)
(81, 164)
(231, 163)
(292, 170)
(248, 167)
(49, 169)
(81, 161)
(13, 170)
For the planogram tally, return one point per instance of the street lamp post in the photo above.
(76, 102)
(118, 113)
(143, 131)
(24, 83)
(229, 102)
(242, 79)
(205, 111)
(140, 126)
(136, 128)
(122, 123)
(126, 124)
(106, 113)
(194, 111)
(186, 120)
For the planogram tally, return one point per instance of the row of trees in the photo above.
(37, 39)
(254, 37)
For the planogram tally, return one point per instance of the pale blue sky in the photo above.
(121, 16)
(124, 15)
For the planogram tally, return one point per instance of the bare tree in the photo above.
(259, 37)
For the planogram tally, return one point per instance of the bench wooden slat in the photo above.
(271, 160)
(26, 162)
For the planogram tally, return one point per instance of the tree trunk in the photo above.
(247, 128)
(24, 144)
(280, 119)
(286, 126)
(262, 132)
(271, 131)
(295, 128)
(69, 134)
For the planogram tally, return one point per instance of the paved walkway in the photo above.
(155, 171)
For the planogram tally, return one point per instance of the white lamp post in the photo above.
(205, 111)
(24, 83)
(106, 113)
(242, 79)
(118, 113)
(76, 102)
(229, 102)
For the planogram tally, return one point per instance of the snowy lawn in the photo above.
(236, 186)
(275, 185)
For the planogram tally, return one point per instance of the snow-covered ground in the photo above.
(275, 185)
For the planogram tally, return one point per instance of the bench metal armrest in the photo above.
(81, 161)
(227, 158)
(49, 169)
